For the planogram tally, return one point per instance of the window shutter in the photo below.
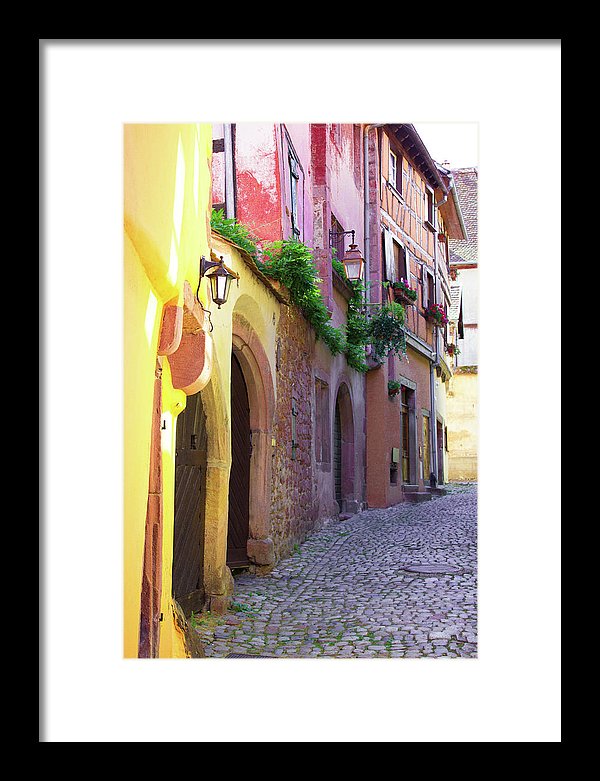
(390, 271)
(424, 287)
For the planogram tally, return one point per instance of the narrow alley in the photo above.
(398, 582)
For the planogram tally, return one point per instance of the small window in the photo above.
(337, 238)
(429, 208)
(427, 287)
(400, 260)
(430, 288)
(393, 170)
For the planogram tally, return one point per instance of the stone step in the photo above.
(418, 496)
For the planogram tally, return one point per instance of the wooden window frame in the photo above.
(401, 258)
(429, 216)
(392, 180)
(396, 182)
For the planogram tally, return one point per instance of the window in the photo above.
(294, 178)
(400, 261)
(429, 216)
(322, 433)
(430, 288)
(395, 258)
(337, 238)
(395, 172)
(427, 287)
(393, 169)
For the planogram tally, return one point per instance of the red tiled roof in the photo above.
(466, 188)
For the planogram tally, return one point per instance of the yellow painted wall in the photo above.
(463, 426)
(167, 199)
(258, 306)
(441, 411)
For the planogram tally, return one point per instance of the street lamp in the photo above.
(353, 263)
(219, 279)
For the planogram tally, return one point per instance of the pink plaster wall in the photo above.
(258, 204)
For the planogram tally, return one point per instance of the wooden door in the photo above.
(239, 478)
(337, 455)
(426, 451)
(190, 490)
(405, 455)
(440, 452)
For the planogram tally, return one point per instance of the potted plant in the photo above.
(436, 315)
(452, 349)
(394, 387)
(403, 292)
(386, 331)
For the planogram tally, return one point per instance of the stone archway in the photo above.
(254, 364)
(345, 416)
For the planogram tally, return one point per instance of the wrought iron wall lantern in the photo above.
(219, 277)
(353, 260)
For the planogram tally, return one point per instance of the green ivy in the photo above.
(291, 263)
(231, 229)
(338, 265)
(357, 330)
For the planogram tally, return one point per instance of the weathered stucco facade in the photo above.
(301, 181)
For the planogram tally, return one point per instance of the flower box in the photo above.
(435, 315)
(403, 293)
(394, 387)
(402, 297)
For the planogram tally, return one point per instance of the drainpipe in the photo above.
(435, 362)
(432, 367)
(229, 174)
(367, 254)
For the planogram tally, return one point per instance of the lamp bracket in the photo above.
(336, 234)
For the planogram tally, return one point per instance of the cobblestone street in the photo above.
(399, 582)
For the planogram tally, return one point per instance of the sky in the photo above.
(455, 143)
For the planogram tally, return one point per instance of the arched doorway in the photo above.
(190, 493)
(343, 450)
(238, 528)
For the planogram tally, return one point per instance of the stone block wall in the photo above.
(293, 507)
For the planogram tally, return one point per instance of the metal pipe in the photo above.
(229, 174)
(433, 364)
